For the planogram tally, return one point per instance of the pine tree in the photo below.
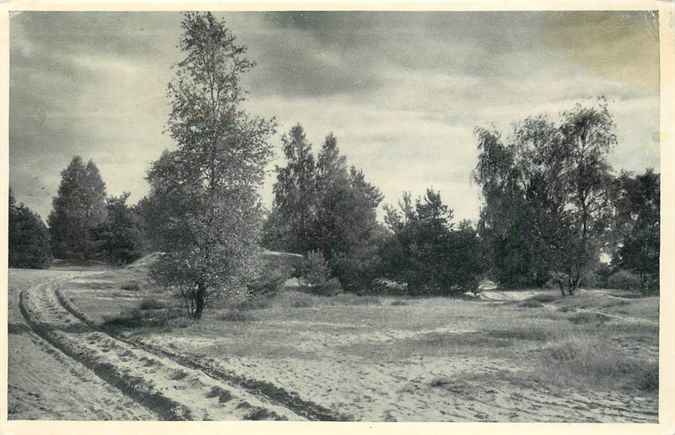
(120, 236)
(78, 209)
(28, 238)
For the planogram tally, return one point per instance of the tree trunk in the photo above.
(200, 302)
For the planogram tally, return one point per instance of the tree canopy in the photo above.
(546, 196)
(28, 241)
(205, 193)
(78, 209)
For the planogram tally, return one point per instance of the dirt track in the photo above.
(44, 383)
(135, 378)
(171, 390)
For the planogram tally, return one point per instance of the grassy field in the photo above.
(519, 356)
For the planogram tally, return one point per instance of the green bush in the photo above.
(387, 287)
(28, 238)
(314, 268)
(331, 287)
(624, 280)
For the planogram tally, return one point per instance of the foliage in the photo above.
(295, 193)
(28, 244)
(322, 204)
(426, 251)
(78, 209)
(637, 225)
(546, 196)
(314, 268)
(331, 287)
(624, 280)
(204, 204)
(120, 235)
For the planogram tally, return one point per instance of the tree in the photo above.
(204, 194)
(426, 251)
(121, 234)
(28, 238)
(323, 204)
(637, 225)
(546, 196)
(295, 192)
(78, 208)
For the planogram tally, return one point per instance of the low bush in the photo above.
(582, 317)
(387, 287)
(222, 395)
(353, 299)
(530, 303)
(300, 300)
(236, 316)
(582, 359)
(314, 268)
(255, 303)
(648, 377)
(332, 287)
(624, 280)
(177, 375)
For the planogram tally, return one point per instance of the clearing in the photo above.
(515, 356)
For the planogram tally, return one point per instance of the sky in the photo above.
(402, 92)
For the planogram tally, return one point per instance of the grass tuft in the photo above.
(236, 316)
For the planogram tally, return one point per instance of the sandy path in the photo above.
(43, 382)
(173, 391)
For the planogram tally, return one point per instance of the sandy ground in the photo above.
(46, 384)
(433, 359)
(171, 390)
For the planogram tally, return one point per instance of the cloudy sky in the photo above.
(401, 91)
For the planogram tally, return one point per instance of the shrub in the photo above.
(222, 395)
(300, 300)
(28, 238)
(624, 280)
(530, 303)
(236, 316)
(648, 378)
(382, 286)
(332, 287)
(314, 268)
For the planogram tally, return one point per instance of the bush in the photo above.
(236, 316)
(314, 268)
(332, 287)
(624, 280)
(387, 287)
(28, 239)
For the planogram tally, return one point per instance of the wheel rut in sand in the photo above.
(174, 391)
(265, 391)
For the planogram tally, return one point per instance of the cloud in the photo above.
(401, 91)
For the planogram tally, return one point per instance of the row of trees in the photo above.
(552, 206)
(550, 202)
(322, 204)
(84, 224)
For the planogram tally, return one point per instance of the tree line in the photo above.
(85, 225)
(551, 204)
